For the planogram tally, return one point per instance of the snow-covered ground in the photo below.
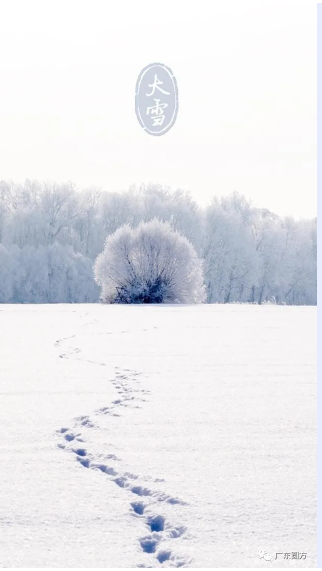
(148, 436)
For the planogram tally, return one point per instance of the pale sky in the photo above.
(246, 75)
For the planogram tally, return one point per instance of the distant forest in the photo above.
(51, 234)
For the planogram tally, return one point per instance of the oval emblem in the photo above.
(156, 99)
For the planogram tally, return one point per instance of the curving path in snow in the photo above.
(74, 440)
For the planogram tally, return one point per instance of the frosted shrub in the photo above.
(149, 264)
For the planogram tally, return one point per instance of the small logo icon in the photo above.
(264, 555)
(156, 99)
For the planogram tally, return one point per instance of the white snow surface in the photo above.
(157, 436)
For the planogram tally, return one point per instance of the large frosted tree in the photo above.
(149, 264)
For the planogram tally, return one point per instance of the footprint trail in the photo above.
(143, 500)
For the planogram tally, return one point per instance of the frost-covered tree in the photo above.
(6, 275)
(149, 264)
(47, 274)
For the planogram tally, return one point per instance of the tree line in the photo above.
(51, 235)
